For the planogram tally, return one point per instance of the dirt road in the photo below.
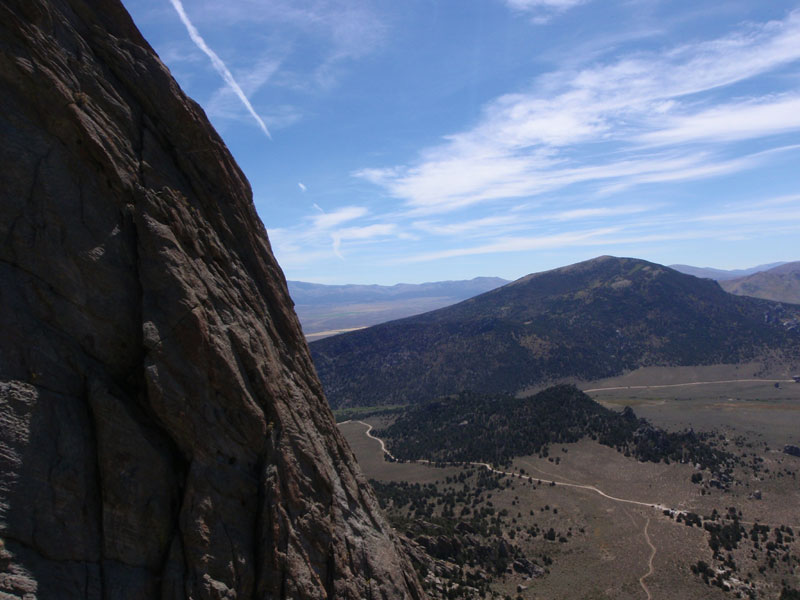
(672, 385)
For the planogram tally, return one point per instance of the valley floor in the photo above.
(620, 526)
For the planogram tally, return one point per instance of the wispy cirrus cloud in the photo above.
(624, 125)
(328, 220)
(225, 103)
(599, 212)
(350, 28)
(322, 234)
(301, 48)
(326, 33)
(524, 218)
(781, 215)
(534, 4)
(518, 244)
(542, 11)
(218, 64)
(452, 183)
(730, 122)
(588, 126)
(367, 232)
(494, 224)
(783, 210)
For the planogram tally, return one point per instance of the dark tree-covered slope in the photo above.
(593, 319)
(495, 429)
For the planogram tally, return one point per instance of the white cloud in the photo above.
(218, 65)
(255, 77)
(757, 216)
(534, 4)
(777, 201)
(350, 27)
(304, 46)
(329, 220)
(226, 104)
(730, 122)
(323, 234)
(598, 212)
(542, 10)
(360, 233)
(734, 223)
(497, 226)
(588, 126)
(337, 30)
(479, 226)
(516, 244)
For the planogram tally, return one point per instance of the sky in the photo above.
(393, 141)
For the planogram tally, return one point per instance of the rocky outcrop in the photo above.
(163, 433)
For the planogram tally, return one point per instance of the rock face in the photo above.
(163, 433)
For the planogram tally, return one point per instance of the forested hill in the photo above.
(593, 319)
(495, 429)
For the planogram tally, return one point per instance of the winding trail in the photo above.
(566, 479)
(651, 570)
(591, 488)
(654, 505)
(490, 468)
(377, 439)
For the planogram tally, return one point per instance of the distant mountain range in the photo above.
(778, 281)
(593, 319)
(722, 274)
(328, 309)
(781, 283)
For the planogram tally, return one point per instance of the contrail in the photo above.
(218, 64)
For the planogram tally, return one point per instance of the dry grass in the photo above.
(753, 408)
(608, 557)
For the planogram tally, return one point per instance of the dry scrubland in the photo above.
(757, 408)
(605, 551)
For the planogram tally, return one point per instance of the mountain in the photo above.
(722, 274)
(781, 283)
(324, 310)
(586, 321)
(163, 433)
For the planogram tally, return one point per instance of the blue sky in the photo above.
(409, 141)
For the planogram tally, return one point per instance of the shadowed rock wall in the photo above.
(162, 430)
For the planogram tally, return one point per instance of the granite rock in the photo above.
(163, 433)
